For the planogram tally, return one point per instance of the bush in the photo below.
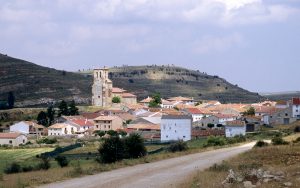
(99, 133)
(13, 168)
(297, 129)
(116, 100)
(236, 139)
(45, 163)
(223, 167)
(134, 146)
(112, 150)
(178, 146)
(62, 161)
(27, 168)
(279, 141)
(261, 143)
(215, 141)
(47, 141)
(112, 133)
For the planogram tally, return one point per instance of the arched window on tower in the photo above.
(100, 75)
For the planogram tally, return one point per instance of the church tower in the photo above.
(102, 88)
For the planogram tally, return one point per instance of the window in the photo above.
(183, 136)
(23, 141)
(109, 126)
(167, 136)
(104, 126)
(175, 131)
(10, 141)
(97, 126)
(286, 114)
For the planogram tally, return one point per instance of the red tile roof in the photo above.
(9, 135)
(117, 90)
(128, 95)
(82, 122)
(194, 111)
(296, 101)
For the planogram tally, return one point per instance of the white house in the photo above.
(195, 113)
(176, 127)
(223, 118)
(13, 139)
(60, 129)
(296, 107)
(235, 128)
(28, 127)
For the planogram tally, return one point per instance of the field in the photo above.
(284, 159)
(8, 156)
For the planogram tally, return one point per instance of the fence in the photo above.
(60, 150)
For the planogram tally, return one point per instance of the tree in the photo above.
(50, 115)
(210, 125)
(63, 109)
(73, 110)
(11, 99)
(42, 118)
(99, 133)
(112, 133)
(112, 150)
(62, 161)
(116, 99)
(156, 100)
(250, 111)
(134, 146)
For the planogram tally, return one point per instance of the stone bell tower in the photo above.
(102, 88)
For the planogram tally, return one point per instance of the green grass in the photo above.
(24, 156)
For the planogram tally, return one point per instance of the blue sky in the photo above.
(252, 43)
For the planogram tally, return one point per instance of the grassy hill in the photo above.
(34, 85)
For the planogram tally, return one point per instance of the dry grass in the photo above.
(272, 158)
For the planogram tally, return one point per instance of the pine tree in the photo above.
(50, 115)
(73, 110)
(42, 118)
(63, 109)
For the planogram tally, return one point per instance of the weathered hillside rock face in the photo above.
(173, 81)
(34, 85)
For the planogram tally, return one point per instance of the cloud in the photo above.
(212, 44)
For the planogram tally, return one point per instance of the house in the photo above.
(176, 127)
(195, 113)
(223, 118)
(61, 129)
(144, 127)
(28, 127)
(280, 117)
(296, 107)
(105, 123)
(252, 122)
(205, 121)
(235, 128)
(81, 123)
(184, 100)
(282, 104)
(146, 101)
(12, 139)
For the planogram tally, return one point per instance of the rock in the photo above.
(268, 176)
(239, 179)
(278, 178)
(248, 184)
(267, 180)
(288, 184)
(279, 173)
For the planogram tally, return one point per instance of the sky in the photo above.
(252, 43)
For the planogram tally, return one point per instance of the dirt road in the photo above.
(166, 173)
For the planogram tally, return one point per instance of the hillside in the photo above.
(173, 81)
(276, 96)
(34, 85)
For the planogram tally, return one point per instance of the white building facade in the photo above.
(176, 127)
(12, 139)
(235, 130)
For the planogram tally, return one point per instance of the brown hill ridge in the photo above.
(35, 85)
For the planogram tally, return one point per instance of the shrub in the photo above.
(112, 150)
(134, 146)
(99, 133)
(223, 167)
(47, 141)
(77, 170)
(279, 141)
(297, 129)
(178, 146)
(112, 133)
(45, 163)
(13, 168)
(116, 100)
(62, 161)
(261, 143)
(27, 168)
(215, 141)
(236, 139)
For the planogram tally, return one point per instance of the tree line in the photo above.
(47, 117)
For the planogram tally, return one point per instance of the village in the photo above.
(156, 119)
